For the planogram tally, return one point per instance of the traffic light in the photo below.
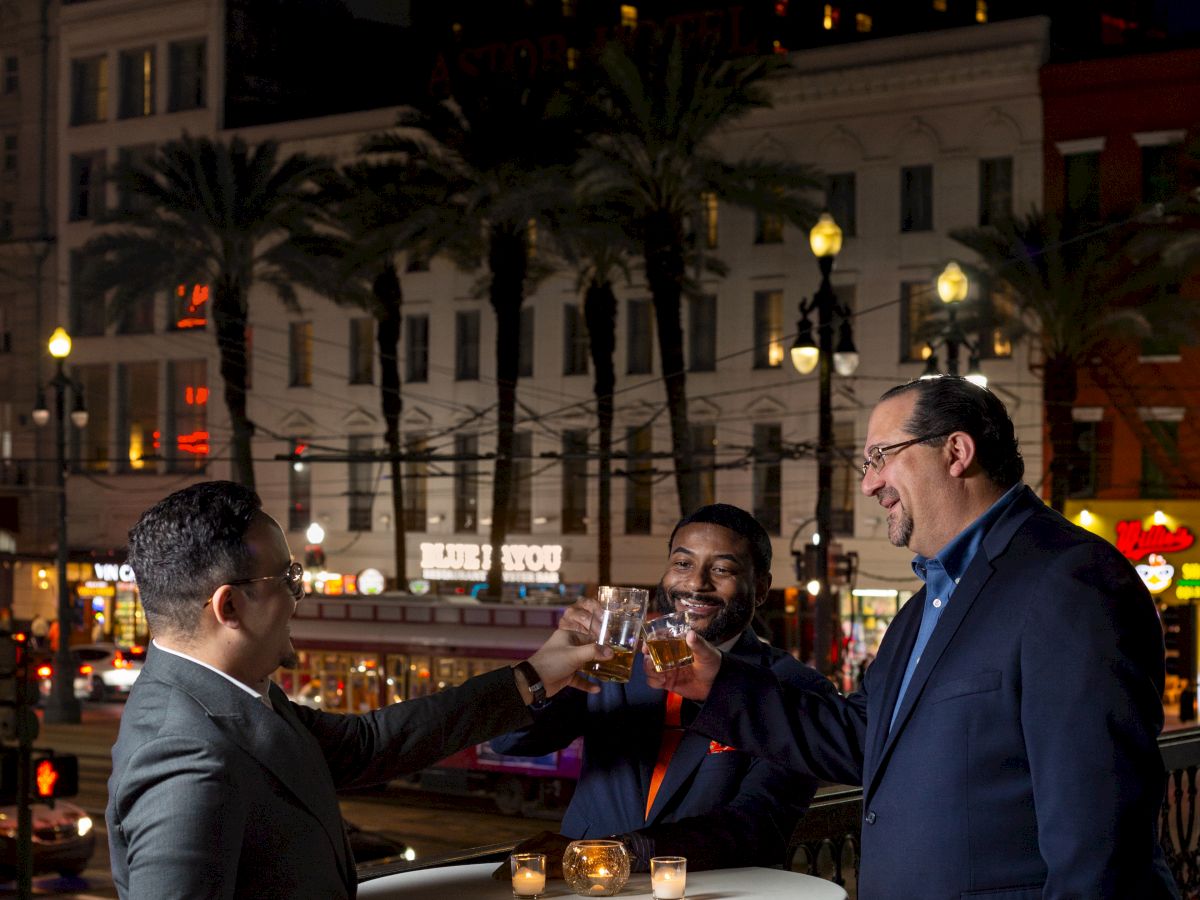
(54, 775)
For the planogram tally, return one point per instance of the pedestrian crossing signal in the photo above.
(55, 776)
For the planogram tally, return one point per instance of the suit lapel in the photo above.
(880, 710)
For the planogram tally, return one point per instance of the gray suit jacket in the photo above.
(214, 795)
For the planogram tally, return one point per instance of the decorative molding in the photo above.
(1081, 145)
(359, 419)
(1161, 413)
(297, 421)
(1087, 414)
(1159, 138)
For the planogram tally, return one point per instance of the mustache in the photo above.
(709, 599)
(887, 493)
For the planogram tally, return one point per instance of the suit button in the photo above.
(869, 818)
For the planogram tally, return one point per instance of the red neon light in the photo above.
(1134, 541)
(195, 443)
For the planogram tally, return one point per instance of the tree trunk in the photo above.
(1059, 389)
(507, 263)
(229, 313)
(387, 338)
(600, 312)
(664, 274)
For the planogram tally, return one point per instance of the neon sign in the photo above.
(537, 563)
(1134, 541)
(1156, 573)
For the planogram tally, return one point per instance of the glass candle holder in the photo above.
(596, 868)
(528, 875)
(668, 877)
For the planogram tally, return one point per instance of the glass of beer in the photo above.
(666, 641)
(617, 625)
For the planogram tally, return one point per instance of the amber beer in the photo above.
(617, 626)
(669, 652)
(618, 668)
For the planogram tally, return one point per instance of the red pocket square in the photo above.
(714, 747)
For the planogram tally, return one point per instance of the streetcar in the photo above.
(362, 652)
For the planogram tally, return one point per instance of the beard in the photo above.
(900, 529)
(290, 659)
(729, 621)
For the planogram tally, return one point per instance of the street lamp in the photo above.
(62, 706)
(952, 287)
(807, 354)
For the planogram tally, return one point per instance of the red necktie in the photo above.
(672, 734)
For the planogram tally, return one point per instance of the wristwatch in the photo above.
(533, 681)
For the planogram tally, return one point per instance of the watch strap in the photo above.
(537, 688)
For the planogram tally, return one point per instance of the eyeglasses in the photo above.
(877, 457)
(293, 577)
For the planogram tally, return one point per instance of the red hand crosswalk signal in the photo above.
(55, 776)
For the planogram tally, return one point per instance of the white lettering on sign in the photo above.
(113, 572)
(470, 558)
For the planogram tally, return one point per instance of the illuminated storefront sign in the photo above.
(113, 572)
(371, 581)
(536, 563)
(1134, 540)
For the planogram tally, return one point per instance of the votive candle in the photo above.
(668, 877)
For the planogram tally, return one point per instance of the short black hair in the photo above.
(950, 403)
(738, 521)
(186, 546)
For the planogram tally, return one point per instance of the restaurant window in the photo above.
(841, 201)
(768, 329)
(574, 481)
(362, 350)
(416, 349)
(639, 345)
(87, 311)
(995, 190)
(129, 159)
(525, 344)
(300, 354)
(89, 90)
(639, 481)
(87, 185)
(189, 308)
(91, 442)
(12, 74)
(137, 83)
(1160, 172)
(300, 514)
(702, 333)
(1157, 483)
(361, 482)
(916, 198)
(575, 340)
(140, 437)
(466, 345)
(1081, 186)
(704, 460)
(187, 76)
(845, 479)
(916, 309)
(466, 489)
(9, 164)
(187, 415)
(416, 484)
(768, 476)
(521, 504)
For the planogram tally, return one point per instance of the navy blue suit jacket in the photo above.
(719, 809)
(1023, 762)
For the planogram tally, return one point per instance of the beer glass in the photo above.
(617, 625)
(666, 641)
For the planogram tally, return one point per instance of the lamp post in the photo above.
(62, 706)
(952, 287)
(825, 239)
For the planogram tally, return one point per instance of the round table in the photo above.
(475, 881)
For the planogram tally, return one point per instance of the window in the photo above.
(416, 349)
(1157, 483)
(521, 502)
(466, 493)
(138, 405)
(12, 79)
(574, 481)
(361, 483)
(10, 154)
(6, 218)
(187, 415)
(87, 314)
(187, 76)
(91, 443)
(831, 17)
(841, 201)
(136, 316)
(995, 320)
(845, 481)
(704, 460)
(1082, 480)
(1160, 172)
(916, 309)
(190, 307)
(137, 83)
(702, 333)
(1165, 343)
(416, 262)
(466, 345)
(768, 329)
(89, 90)
(299, 488)
(525, 344)
(416, 484)
(1081, 185)
(575, 340)
(768, 228)
(130, 158)
(916, 198)
(300, 354)
(995, 190)
(629, 16)
(87, 185)
(709, 201)
(981, 11)
(362, 350)
(863, 22)
(768, 476)
(639, 482)
(639, 346)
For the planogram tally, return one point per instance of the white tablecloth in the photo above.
(475, 881)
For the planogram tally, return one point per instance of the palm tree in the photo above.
(661, 109)
(1075, 292)
(203, 210)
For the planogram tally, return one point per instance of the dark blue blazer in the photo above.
(719, 809)
(1023, 762)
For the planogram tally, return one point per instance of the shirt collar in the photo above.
(262, 698)
(958, 553)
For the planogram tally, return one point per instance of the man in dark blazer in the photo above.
(1005, 735)
(715, 804)
(220, 786)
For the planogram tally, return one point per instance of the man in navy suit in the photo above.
(710, 802)
(1006, 734)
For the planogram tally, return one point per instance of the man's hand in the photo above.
(559, 660)
(548, 842)
(694, 681)
(579, 616)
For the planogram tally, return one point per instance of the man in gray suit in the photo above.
(223, 788)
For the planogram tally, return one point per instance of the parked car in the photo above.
(63, 839)
(103, 671)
